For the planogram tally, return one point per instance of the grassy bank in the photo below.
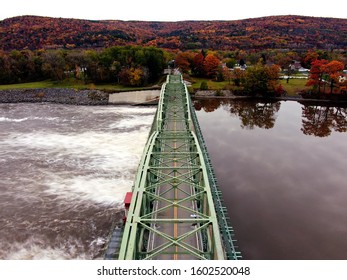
(213, 85)
(292, 87)
(71, 84)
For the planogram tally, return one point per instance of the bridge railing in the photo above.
(158, 120)
(227, 231)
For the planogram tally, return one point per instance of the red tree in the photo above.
(183, 61)
(334, 70)
(211, 65)
(330, 71)
(316, 73)
(310, 57)
(198, 64)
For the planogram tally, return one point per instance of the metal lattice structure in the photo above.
(173, 214)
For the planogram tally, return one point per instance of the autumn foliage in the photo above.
(261, 79)
(324, 72)
(211, 65)
(183, 61)
(277, 32)
(131, 66)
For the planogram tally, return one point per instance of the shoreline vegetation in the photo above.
(206, 74)
(269, 73)
(82, 94)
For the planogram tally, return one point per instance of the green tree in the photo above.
(76, 64)
(92, 61)
(5, 69)
(230, 62)
(261, 79)
(53, 64)
(154, 62)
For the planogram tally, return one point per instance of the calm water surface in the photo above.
(282, 169)
(64, 171)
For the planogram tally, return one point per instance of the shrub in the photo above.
(191, 90)
(203, 85)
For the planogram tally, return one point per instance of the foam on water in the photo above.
(100, 190)
(65, 171)
(125, 110)
(97, 166)
(37, 249)
(2, 119)
(131, 122)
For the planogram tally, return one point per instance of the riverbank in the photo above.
(79, 97)
(227, 94)
(55, 95)
(142, 97)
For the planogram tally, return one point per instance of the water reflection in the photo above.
(251, 113)
(317, 120)
(209, 105)
(254, 114)
(285, 190)
(320, 120)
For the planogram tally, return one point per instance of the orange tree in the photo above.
(184, 60)
(206, 65)
(333, 70)
(211, 65)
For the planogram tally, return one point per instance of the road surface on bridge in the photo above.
(172, 214)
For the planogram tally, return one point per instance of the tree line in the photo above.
(126, 65)
(276, 32)
(260, 78)
(262, 75)
(140, 66)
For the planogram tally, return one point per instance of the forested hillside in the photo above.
(277, 32)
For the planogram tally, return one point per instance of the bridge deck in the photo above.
(172, 213)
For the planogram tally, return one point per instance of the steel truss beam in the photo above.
(172, 213)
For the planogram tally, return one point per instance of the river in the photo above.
(64, 173)
(281, 167)
(282, 170)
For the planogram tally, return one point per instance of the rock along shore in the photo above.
(55, 95)
(98, 97)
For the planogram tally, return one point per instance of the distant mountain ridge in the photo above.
(275, 32)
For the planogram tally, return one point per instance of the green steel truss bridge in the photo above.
(176, 211)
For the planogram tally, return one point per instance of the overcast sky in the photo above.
(176, 10)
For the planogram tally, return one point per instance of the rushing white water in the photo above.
(64, 172)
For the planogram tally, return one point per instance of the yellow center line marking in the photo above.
(175, 197)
